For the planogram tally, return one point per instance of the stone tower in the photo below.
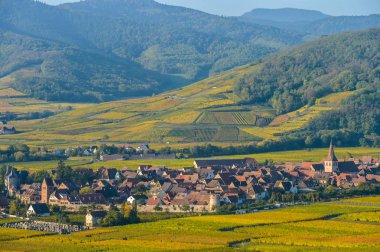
(11, 179)
(214, 202)
(331, 162)
(47, 189)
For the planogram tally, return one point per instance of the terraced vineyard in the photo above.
(204, 112)
(233, 117)
(316, 227)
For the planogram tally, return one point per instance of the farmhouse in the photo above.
(38, 209)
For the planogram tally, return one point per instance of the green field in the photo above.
(204, 112)
(316, 227)
(314, 155)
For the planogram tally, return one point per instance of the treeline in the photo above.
(23, 153)
(11, 116)
(297, 77)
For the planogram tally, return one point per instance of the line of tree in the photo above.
(23, 153)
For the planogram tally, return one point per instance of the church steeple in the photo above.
(331, 156)
(331, 162)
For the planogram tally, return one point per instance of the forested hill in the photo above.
(309, 22)
(99, 50)
(296, 77)
(293, 78)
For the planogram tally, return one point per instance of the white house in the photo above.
(130, 200)
(95, 217)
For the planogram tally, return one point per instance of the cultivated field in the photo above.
(203, 112)
(317, 227)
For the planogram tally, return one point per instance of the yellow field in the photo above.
(301, 228)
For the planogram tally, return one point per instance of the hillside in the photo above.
(299, 77)
(53, 71)
(136, 48)
(309, 22)
(284, 95)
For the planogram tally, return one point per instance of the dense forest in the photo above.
(56, 72)
(297, 77)
(355, 122)
(291, 79)
(104, 50)
(100, 50)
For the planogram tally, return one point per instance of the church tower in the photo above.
(331, 162)
(47, 189)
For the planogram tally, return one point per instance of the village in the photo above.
(210, 185)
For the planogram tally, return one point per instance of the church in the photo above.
(332, 165)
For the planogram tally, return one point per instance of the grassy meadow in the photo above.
(315, 227)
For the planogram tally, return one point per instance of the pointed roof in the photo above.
(331, 156)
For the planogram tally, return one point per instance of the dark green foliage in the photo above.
(356, 122)
(16, 207)
(114, 218)
(39, 176)
(92, 50)
(298, 76)
(63, 171)
(22, 152)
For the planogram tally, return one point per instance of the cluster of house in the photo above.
(138, 153)
(7, 131)
(203, 187)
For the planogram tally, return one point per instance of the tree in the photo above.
(17, 208)
(55, 209)
(113, 218)
(3, 169)
(63, 217)
(130, 213)
(63, 171)
(19, 156)
(39, 176)
(86, 190)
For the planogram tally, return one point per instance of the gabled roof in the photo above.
(40, 208)
(348, 166)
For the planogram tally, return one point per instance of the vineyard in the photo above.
(234, 118)
(204, 112)
(315, 227)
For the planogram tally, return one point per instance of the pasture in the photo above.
(315, 227)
